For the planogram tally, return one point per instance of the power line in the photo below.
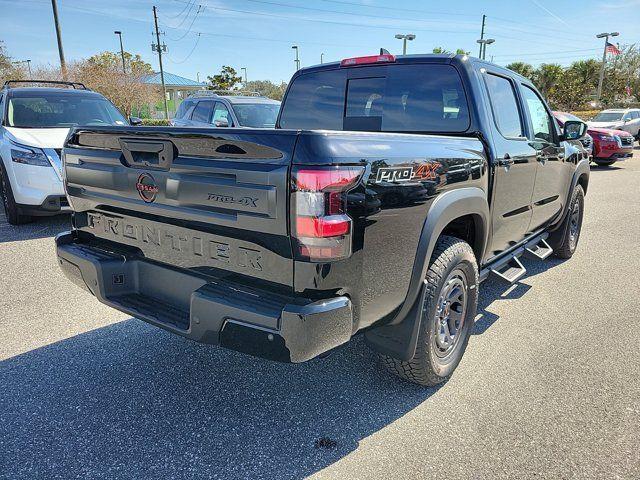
(187, 15)
(200, 8)
(384, 17)
(332, 22)
(536, 54)
(183, 10)
(396, 9)
(190, 53)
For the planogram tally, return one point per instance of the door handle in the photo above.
(506, 161)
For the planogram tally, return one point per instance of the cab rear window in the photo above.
(396, 98)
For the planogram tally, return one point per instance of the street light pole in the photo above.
(404, 38)
(484, 18)
(119, 33)
(483, 46)
(297, 60)
(322, 58)
(604, 60)
(63, 64)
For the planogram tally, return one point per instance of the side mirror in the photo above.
(221, 122)
(574, 130)
(135, 121)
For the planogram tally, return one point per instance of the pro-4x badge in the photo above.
(424, 171)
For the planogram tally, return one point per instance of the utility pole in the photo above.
(604, 60)
(297, 60)
(63, 65)
(484, 18)
(160, 48)
(119, 33)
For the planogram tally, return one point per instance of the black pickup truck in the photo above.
(389, 189)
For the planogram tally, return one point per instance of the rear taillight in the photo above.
(320, 224)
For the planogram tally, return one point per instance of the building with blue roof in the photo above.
(177, 88)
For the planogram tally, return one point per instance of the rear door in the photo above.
(514, 164)
(214, 202)
(553, 172)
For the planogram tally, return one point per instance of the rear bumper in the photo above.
(207, 309)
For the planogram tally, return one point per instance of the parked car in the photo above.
(248, 238)
(586, 141)
(609, 145)
(35, 122)
(625, 119)
(209, 109)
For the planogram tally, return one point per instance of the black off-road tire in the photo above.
(9, 202)
(452, 257)
(564, 240)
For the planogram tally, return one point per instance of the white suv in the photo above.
(35, 123)
(626, 119)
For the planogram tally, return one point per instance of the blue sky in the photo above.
(258, 34)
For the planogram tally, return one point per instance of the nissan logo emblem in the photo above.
(146, 187)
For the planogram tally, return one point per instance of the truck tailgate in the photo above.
(195, 199)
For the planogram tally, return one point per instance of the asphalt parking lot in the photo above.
(549, 386)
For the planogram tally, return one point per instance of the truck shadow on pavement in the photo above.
(494, 290)
(41, 227)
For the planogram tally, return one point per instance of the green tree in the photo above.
(266, 88)
(547, 77)
(113, 61)
(622, 72)
(522, 68)
(227, 79)
(103, 73)
(444, 51)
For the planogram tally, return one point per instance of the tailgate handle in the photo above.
(153, 154)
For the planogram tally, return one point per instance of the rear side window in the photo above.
(397, 98)
(505, 105)
(202, 112)
(185, 109)
(315, 102)
(221, 112)
(540, 119)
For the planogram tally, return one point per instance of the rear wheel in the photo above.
(449, 303)
(8, 201)
(564, 241)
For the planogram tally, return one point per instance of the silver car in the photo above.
(627, 119)
(209, 109)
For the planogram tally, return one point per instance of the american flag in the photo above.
(612, 49)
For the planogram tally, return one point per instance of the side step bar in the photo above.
(540, 250)
(509, 268)
(512, 271)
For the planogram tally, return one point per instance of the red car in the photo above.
(609, 145)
